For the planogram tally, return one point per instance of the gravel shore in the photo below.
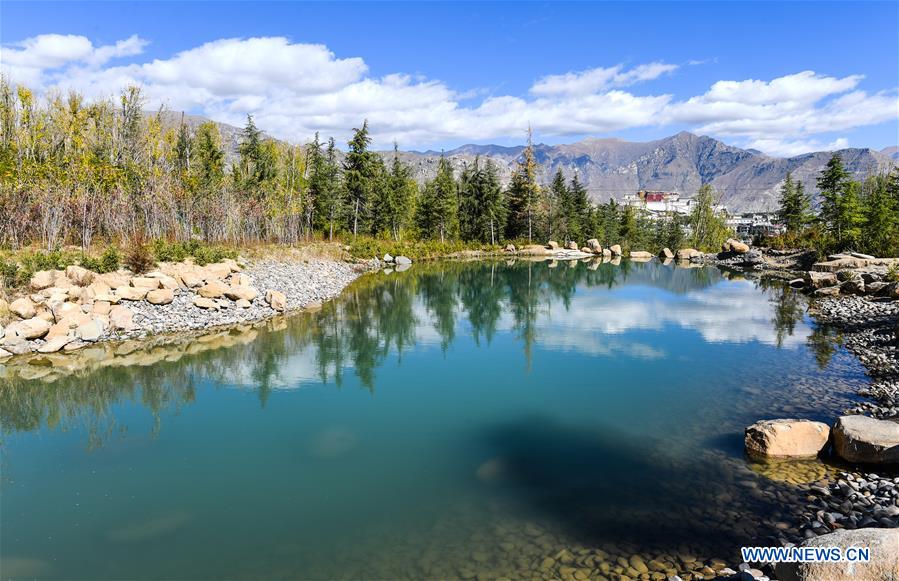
(303, 283)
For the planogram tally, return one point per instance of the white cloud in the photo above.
(789, 148)
(295, 89)
(593, 80)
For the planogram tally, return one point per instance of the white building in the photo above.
(657, 203)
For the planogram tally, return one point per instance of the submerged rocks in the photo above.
(786, 438)
(865, 440)
(883, 564)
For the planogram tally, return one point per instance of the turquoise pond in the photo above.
(453, 420)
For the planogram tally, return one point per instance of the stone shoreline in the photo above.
(302, 284)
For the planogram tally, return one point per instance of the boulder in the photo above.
(586, 250)
(552, 245)
(640, 255)
(882, 566)
(865, 440)
(593, 244)
(22, 308)
(276, 300)
(615, 249)
(160, 296)
(534, 250)
(875, 287)
(828, 291)
(797, 283)
(666, 254)
(240, 292)
(205, 303)
(42, 279)
(240, 279)
(243, 303)
(781, 438)
(606, 253)
(64, 310)
(4, 354)
(735, 246)
(213, 289)
(121, 318)
(131, 293)
(218, 270)
(91, 331)
(388, 258)
(55, 344)
(79, 276)
(509, 248)
(403, 260)
(114, 279)
(145, 282)
(572, 245)
(99, 287)
(686, 253)
(817, 280)
(33, 328)
(191, 278)
(854, 286)
(101, 308)
(17, 346)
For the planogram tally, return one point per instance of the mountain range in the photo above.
(747, 180)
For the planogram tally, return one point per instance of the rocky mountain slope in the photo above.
(747, 180)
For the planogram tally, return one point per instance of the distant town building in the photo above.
(756, 224)
(664, 203)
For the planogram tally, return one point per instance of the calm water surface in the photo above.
(452, 420)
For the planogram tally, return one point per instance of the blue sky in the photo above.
(806, 75)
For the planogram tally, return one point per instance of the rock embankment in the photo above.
(67, 310)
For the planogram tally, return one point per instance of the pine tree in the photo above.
(524, 195)
(401, 191)
(879, 216)
(256, 161)
(323, 185)
(580, 213)
(481, 208)
(559, 209)
(840, 209)
(438, 208)
(357, 177)
(794, 205)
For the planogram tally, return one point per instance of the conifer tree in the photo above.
(794, 207)
(357, 177)
(879, 216)
(580, 214)
(840, 208)
(558, 208)
(438, 207)
(524, 195)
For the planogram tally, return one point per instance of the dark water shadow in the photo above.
(601, 486)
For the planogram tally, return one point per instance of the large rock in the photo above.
(686, 253)
(388, 258)
(91, 331)
(276, 300)
(79, 275)
(615, 249)
(145, 282)
(42, 279)
(131, 293)
(817, 280)
(864, 440)
(786, 438)
(237, 292)
(666, 254)
(553, 245)
(121, 318)
(114, 279)
(640, 255)
(735, 246)
(214, 289)
(217, 270)
(160, 296)
(240, 279)
(593, 244)
(509, 248)
(572, 245)
(205, 303)
(882, 566)
(191, 278)
(34, 328)
(55, 344)
(23, 308)
(403, 260)
(534, 250)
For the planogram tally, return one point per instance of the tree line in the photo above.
(74, 171)
(860, 215)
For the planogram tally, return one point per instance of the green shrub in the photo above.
(110, 260)
(89, 262)
(893, 273)
(8, 271)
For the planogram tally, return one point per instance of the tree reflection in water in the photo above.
(377, 316)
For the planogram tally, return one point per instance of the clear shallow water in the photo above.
(453, 420)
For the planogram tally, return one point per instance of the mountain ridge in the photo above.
(746, 180)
